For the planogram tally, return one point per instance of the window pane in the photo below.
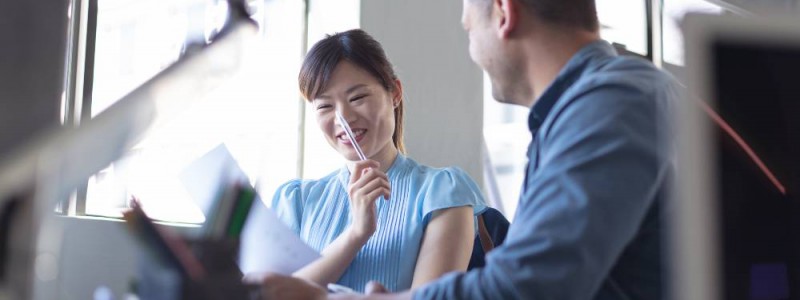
(134, 41)
(624, 22)
(673, 13)
(325, 17)
(507, 137)
(254, 114)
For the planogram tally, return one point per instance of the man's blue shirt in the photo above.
(588, 224)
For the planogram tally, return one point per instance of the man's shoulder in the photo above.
(615, 86)
(614, 80)
(622, 72)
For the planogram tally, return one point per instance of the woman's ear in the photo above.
(397, 95)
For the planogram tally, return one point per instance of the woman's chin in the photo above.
(351, 157)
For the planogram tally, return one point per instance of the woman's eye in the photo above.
(323, 106)
(359, 97)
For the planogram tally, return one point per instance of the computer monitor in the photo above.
(737, 223)
(35, 176)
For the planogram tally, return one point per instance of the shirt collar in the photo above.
(566, 77)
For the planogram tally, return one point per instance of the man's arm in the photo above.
(601, 166)
(275, 286)
(401, 296)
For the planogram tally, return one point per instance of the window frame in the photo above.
(79, 86)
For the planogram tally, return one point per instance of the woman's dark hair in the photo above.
(360, 49)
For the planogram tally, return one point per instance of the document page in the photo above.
(269, 245)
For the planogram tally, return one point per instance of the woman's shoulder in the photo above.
(440, 175)
(445, 187)
(441, 180)
(297, 195)
(298, 186)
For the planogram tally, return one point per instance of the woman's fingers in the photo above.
(376, 183)
(366, 185)
(373, 195)
(367, 178)
(359, 167)
(374, 287)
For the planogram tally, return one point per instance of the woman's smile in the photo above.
(358, 132)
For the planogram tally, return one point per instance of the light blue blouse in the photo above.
(319, 211)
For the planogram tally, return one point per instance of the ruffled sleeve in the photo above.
(287, 203)
(450, 187)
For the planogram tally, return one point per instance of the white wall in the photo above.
(443, 88)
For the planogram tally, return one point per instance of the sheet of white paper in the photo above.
(205, 176)
(269, 245)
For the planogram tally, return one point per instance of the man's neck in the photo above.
(548, 53)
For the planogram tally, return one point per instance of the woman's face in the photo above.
(367, 107)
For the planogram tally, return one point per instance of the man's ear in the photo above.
(507, 13)
(397, 94)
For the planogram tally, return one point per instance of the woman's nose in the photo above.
(347, 114)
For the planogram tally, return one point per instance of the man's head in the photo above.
(567, 13)
(497, 30)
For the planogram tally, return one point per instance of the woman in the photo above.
(386, 218)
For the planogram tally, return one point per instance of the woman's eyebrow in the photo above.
(355, 87)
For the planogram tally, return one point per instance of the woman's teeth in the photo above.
(357, 133)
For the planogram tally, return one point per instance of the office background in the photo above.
(429, 54)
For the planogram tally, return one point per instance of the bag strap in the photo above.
(483, 235)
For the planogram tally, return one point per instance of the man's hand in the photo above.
(275, 286)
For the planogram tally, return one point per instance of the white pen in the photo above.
(349, 133)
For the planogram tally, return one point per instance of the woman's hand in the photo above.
(367, 183)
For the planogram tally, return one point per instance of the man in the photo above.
(587, 223)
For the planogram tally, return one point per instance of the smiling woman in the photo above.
(421, 228)
(373, 113)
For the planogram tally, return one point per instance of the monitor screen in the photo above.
(757, 140)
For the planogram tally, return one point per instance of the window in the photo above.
(257, 114)
(674, 10)
(506, 134)
(624, 22)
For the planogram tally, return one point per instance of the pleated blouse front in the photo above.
(319, 211)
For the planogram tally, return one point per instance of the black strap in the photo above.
(483, 235)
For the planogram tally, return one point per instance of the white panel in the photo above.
(443, 88)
